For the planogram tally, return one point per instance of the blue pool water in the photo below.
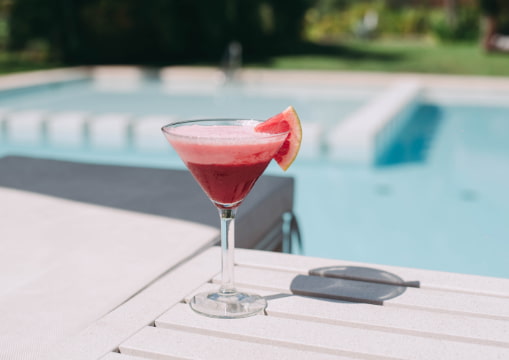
(437, 198)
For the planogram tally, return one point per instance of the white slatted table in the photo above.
(318, 309)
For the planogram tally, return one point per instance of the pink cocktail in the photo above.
(226, 157)
(225, 160)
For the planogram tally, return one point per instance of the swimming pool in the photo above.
(436, 197)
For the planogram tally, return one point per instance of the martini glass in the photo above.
(226, 157)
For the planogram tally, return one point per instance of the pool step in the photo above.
(3, 124)
(25, 127)
(109, 131)
(312, 140)
(77, 129)
(146, 133)
(66, 129)
(364, 135)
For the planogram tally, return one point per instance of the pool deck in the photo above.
(489, 84)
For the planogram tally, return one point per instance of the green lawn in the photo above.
(386, 56)
(15, 68)
(396, 56)
(11, 63)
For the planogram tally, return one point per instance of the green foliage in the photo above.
(161, 32)
(464, 28)
(157, 31)
(331, 20)
(404, 22)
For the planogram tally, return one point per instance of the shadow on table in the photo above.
(350, 283)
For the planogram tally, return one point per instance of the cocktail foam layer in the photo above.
(222, 133)
(222, 144)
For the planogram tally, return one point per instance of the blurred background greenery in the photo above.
(431, 36)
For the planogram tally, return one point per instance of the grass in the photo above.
(15, 68)
(395, 56)
(15, 62)
(354, 55)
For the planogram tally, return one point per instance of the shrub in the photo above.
(396, 20)
(465, 28)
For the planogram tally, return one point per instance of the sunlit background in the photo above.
(431, 36)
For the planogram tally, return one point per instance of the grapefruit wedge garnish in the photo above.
(288, 120)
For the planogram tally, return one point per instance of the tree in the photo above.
(156, 32)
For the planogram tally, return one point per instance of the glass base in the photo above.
(228, 305)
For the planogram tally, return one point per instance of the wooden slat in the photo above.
(163, 344)
(425, 278)
(416, 322)
(320, 337)
(391, 295)
(108, 332)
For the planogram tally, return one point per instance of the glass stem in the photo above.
(227, 249)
